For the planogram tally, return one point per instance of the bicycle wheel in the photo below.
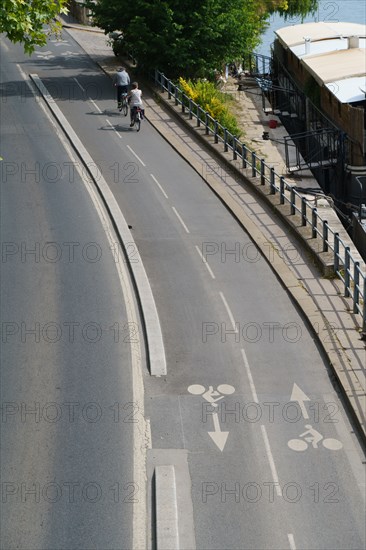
(137, 121)
(125, 108)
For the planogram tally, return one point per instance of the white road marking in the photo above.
(231, 317)
(158, 184)
(5, 46)
(25, 77)
(298, 395)
(205, 262)
(271, 461)
(291, 541)
(78, 83)
(218, 437)
(111, 125)
(180, 219)
(138, 158)
(95, 105)
(250, 377)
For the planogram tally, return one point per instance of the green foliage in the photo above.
(23, 21)
(182, 37)
(216, 103)
(188, 37)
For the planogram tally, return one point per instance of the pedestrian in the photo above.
(121, 81)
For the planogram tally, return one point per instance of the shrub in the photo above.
(205, 94)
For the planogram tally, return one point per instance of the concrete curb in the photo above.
(155, 345)
(167, 534)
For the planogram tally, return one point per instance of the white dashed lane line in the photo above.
(159, 185)
(205, 262)
(136, 155)
(78, 83)
(291, 541)
(111, 125)
(180, 219)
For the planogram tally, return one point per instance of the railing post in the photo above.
(244, 154)
(216, 133)
(282, 190)
(175, 95)
(183, 106)
(235, 154)
(356, 289)
(303, 211)
(346, 271)
(292, 201)
(262, 170)
(272, 181)
(325, 236)
(225, 140)
(336, 252)
(364, 306)
(198, 116)
(314, 222)
(254, 168)
(190, 108)
(206, 124)
(169, 89)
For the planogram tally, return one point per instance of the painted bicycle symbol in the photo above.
(313, 437)
(211, 395)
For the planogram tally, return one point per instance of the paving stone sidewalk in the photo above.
(338, 328)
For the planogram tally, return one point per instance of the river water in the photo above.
(351, 11)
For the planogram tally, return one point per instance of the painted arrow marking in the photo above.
(218, 437)
(299, 396)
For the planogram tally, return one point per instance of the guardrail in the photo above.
(344, 266)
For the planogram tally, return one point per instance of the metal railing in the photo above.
(344, 266)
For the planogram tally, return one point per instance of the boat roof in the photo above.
(329, 59)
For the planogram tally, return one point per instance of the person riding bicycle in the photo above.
(134, 99)
(121, 80)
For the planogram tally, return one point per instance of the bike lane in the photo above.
(190, 302)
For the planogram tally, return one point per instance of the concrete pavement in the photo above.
(320, 299)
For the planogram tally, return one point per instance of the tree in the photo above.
(24, 21)
(187, 37)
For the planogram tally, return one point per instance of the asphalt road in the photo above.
(68, 409)
(271, 455)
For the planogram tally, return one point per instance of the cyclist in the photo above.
(134, 99)
(121, 80)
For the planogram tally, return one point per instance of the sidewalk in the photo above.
(320, 299)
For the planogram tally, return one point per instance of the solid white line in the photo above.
(180, 219)
(24, 76)
(205, 262)
(231, 317)
(5, 46)
(138, 158)
(78, 83)
(111, 125)
(271, 461)
(158, 184)
(291, 541)
(249, 374)
(95, 105)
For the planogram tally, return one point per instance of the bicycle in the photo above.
(137, 117)
(123, 105)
